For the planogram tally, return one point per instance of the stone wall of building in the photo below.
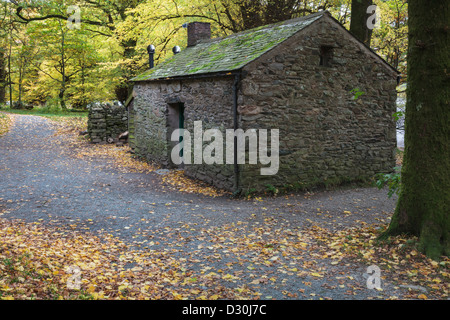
(207, 100)
(106, 121)
(326, 135)
(131, 127)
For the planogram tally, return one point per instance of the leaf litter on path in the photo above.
(253, 259)
(125, 160)
(6, 120)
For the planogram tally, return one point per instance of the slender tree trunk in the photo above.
(84, 102)
(9, 70)
(62, 90)
(20, 88)
(2, 76)
(62, 100)
(358, 20)
(423, 208)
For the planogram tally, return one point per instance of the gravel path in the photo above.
(42, 180)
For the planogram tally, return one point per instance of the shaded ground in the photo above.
(261, 248)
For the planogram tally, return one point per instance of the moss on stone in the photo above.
(229, 53)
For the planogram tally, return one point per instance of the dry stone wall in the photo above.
(106, 121)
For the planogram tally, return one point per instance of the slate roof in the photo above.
(228, 53)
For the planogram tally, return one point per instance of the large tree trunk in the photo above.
(358, 20)
(423, 208)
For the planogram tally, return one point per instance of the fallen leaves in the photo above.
(397, 257)
(68, 125)
(36, 263)
(315, 274)
(120, 156)
(124, 159)
(181, 182)
(39, 262)
(6, 121)
(231, 261)
(260, 257)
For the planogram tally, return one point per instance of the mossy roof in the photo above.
(229, 53)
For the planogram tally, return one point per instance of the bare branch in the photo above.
(59, 16)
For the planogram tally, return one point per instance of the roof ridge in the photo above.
(267, 26)
(230, 53)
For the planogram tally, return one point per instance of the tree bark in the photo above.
(423, 208)
(62, 90)
(2, 76)
(358, 20)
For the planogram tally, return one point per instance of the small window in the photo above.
(326, 55)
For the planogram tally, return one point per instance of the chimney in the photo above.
(198, 31)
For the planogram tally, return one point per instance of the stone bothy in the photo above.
(298, 76)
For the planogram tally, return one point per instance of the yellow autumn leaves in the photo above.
(177, 179)
(35, 263)
(398, 257)
(38, 262)
(5, 122)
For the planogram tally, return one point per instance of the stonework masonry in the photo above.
(209, 101)
(325, 133)
(106, 121)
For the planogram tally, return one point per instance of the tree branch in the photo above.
(58, 16)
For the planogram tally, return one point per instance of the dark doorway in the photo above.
(175, 120)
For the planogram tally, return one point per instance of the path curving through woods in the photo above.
(42, 180)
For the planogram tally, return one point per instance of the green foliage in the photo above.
(270, 188)
(390, 39)
(50, 109)
(249, 193)
(51, 61)
(357, 93)
(399, 115)
(391, 180)
(96, 61)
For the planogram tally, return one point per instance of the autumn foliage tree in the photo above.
(101, 17)
(390, 39)
(5, 25)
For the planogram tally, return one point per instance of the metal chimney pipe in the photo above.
(151, 53)
(176, 50)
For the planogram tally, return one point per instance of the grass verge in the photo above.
(49, 112)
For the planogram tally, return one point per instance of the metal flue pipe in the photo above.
(151, 53)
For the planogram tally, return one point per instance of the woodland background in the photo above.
(49, 60)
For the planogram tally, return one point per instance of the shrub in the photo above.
(392, 180)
